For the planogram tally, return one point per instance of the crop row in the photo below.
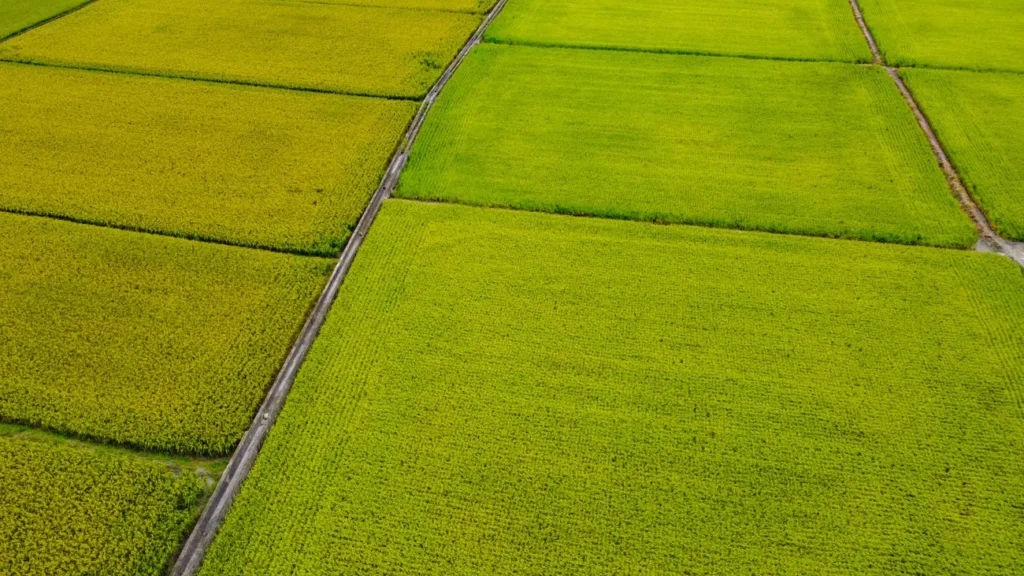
(71, 509)
(510, 392)
(144, 340)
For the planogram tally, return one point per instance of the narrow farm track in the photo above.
(990, 240)
(190, 558)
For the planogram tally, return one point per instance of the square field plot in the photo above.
(315, 45)
(17, 15)
(793, 29)
(144, 340)
(71, 509)
(979, 117)
(987, 35)
(810, 148)
(501, 392)
(279, 169)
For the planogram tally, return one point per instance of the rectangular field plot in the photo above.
(979, 117)
(985, 35)
(72, 509)
(468, 6)
(793, 29)
(17, 15)
(811, 148)
(144, 340)
(279, 169)
(315, 45)
(501, 392)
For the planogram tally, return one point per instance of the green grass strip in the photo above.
(278, 169)
(19, 15)
(788, 29)
(73, 509)
(143, 340)
(980, 120)
(949, 33)
(502, 392)
(808, 148)
(314, 45)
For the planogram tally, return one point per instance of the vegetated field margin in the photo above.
(191, 556)
(29, 26)
(791, 160)
(437, 428)
(141, 340)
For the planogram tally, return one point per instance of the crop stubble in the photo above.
(509, 392)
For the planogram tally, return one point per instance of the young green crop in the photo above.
(499, 392)
(144, 340)
(979, 117)
(316, 45)
(792, 29)
(72, 509)
(949, 33)
(810, 148)
(271, 168)
(17, 15)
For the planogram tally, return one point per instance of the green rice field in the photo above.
(73, 509)
(271, 168)
(791, 29)
(143, 340)
(502, 392)
(987, 35)
(311, 45)
(980, 120)
(18, 15)
(808, 148)
(467, 6)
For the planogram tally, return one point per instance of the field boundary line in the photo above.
(46, 21)
(208, 79)
(190, 558)
(990, 241)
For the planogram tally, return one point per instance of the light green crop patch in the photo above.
(792, 29)
(808, 148)
(979, 117)
(501, 392)
(143, 340)
(279, 169)
(468, 6)
(17, 15)
(985, 35)
(315, 45)
(72, 509)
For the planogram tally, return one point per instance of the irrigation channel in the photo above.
(990, 240)
(190, 558)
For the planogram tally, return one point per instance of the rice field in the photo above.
(143, 340)
(791, 29)
(467, 6)
(309, 45)
(807, 148)
(980, 120)
(278, 169)
(74, 509)
(985, 35)
(18, 15)
(502, 392)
